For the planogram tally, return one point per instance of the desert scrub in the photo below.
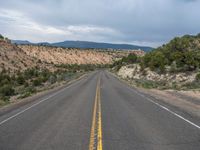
(148, 84)
(24, 83)
(28, 91)
(192, 85)
(7, 90)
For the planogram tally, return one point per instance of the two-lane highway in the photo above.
(96, 112)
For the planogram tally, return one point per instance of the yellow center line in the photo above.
(92, 133)
(96, 129)
(99, 146)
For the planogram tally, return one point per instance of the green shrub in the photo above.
(4, 79)
(27, 94)
(30, 73)
(155, 60)
(37, 82)
(1, 36)
(192, 85)
(26, 84)
(52, 79)
(4, 100)
(30, 89)
(7, 90)
(20, 80)
(130, 59)
(147, 84)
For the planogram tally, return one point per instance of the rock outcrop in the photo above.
(134, 72)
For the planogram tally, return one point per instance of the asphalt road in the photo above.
(97, 112)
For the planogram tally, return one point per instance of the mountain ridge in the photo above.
(87, 44)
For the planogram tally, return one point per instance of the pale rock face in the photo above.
(126, 72)
(134, 72)
(57, 55)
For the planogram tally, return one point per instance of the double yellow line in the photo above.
(96, 129)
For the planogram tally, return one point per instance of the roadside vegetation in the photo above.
(32, 80)
(180, 55)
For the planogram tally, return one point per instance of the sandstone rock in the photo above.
(134, 72)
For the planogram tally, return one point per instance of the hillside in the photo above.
(173, 65)
(179, 55)
(58, 55)
(13, 59)
(86, 45)
(20, 57)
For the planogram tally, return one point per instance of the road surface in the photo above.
(97, 112)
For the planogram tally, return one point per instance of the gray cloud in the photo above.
(150, 22)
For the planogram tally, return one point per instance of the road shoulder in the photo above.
(182, 102)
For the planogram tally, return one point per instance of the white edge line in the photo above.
(17, 114)
(167, 109)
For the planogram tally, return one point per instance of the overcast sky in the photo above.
(141, 22)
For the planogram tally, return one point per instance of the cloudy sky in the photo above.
(142, 22)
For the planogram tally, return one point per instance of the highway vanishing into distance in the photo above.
(98, 112)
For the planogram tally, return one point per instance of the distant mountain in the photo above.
(86, 44)
(20, 42)
(24, 42)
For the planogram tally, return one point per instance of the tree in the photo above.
(189, 60)
(1, 37)
(130, 59)
(177, 57)
(156, 61)
(179, 44)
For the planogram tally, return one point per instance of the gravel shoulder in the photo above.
(186, 101)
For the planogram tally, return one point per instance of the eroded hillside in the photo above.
(12, 58)
(20, 57)
(15, 58)
(58, 55)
